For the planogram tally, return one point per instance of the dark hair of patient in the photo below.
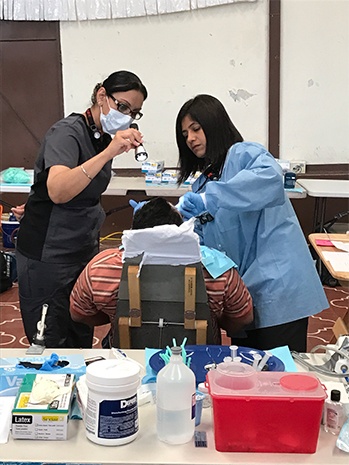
(219, 130)
(156, 212)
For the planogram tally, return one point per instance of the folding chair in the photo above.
(163, 303)
(339, 328)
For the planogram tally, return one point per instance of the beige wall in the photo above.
(224, 51)
(315, 81)
(219, 50)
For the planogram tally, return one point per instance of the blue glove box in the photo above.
(11, 375)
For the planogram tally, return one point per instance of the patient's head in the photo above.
(155, 213)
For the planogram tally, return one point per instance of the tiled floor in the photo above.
(320, 332)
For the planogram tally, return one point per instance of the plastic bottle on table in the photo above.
(207, 402)
(175, 401)
(334, 413)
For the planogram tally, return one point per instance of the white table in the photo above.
(146, 449)
(322, 189)
(121, 185)
(341, 276)
(15, 188)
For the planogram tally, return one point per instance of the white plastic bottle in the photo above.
(175, 401)
(207, 402)
(334, 413)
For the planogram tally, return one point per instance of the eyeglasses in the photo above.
(126, 110)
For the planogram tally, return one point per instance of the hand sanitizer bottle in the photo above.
(334, 413)
(175, 401)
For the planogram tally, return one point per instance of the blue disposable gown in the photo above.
(256, 226)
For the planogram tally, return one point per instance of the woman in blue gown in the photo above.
(243, 211)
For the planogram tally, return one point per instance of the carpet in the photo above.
(319, 331)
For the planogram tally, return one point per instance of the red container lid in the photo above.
(299, 382)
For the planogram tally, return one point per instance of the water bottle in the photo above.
(175, 400)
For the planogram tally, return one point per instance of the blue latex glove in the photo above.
(50, 364)
(136, 205)
(190, 205)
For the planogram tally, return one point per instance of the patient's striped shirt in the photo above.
(97, 287)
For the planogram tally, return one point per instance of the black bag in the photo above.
(6, 270)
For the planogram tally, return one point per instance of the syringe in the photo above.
(41, 325)
(38, 345)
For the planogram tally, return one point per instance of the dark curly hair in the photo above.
(156, 212)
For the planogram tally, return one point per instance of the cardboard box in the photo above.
(151, 166)
(12, 374)
(154, 178)
(169, 177)
(47, 420)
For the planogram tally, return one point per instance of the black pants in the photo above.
(46, 283)
(293, 335)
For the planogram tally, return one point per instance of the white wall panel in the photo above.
(220, 51)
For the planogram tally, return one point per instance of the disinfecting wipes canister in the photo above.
(111, 416)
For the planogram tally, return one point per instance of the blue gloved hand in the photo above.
(136, 205)
(190, 205)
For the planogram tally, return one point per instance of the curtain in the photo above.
(85, 10)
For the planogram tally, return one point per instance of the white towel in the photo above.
(163, 245)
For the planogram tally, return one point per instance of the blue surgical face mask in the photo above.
(114, 121)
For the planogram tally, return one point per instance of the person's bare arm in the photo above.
(64, 183)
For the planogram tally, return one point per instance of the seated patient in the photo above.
(94, 296)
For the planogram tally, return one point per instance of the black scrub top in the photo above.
(64, 233)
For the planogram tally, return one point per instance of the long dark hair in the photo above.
(120, 81)
(219, 130)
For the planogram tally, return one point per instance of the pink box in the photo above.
(265, 411)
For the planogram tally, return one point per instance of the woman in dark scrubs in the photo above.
(59, 232)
